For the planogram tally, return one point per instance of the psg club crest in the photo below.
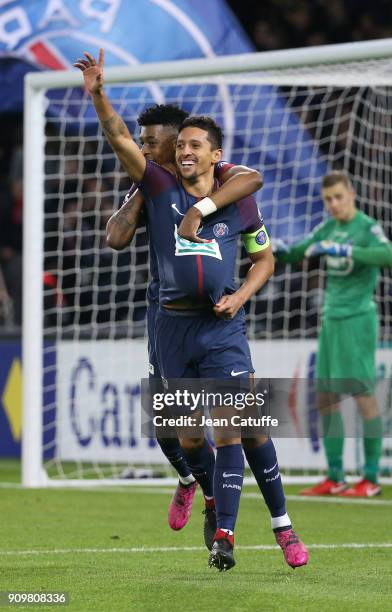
(220, 230)
(261, 237)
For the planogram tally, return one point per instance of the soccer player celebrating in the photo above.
(200, 329)
(356, 248)
(159, 130)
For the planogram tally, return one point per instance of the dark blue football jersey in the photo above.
(153, 287)
(188, 269)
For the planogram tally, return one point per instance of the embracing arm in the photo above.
(238, 183)
(121, 227)
(116, 131)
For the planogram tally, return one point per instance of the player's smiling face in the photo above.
(158, 143)
(194, 153)
(339, 200)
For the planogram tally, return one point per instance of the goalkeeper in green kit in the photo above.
(355, 247)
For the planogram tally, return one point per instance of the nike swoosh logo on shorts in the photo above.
(227, 475)
(270, 470)
(232, 373)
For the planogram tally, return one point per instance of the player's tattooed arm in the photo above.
(114, 127)
(116, 131)
(238, 183)
(121, 227)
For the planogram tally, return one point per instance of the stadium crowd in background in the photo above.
(273, 24)
(283, 24)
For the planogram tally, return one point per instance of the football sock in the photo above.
(201, 462)
(281, 523)
(228, 479)
(173, 452)
(187, 480)
(372, 442)
(209, 502)
(333, 430)
(264, 464)
(228, 531)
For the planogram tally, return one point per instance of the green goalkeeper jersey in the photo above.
(351, 281)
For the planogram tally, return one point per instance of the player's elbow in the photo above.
(115, 239)
(256, 178)
(113, 242)
(270, 263)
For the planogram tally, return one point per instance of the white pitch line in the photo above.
(337, 500)
(155, 549)
(254, 495)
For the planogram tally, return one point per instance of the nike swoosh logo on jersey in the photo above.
(232, 373)
(270, 470)
(227, 475)
(177, 211)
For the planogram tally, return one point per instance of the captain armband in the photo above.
(256, 241)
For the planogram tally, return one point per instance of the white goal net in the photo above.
(85, 305)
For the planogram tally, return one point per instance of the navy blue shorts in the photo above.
(153, 367)
(200, 345)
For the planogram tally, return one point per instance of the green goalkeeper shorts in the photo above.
(346, 355)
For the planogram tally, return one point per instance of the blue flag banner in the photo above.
(52, 34)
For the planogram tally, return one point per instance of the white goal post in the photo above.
(336, 99)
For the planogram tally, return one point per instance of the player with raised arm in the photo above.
(355, 247)
(197, 284)
(159, 130)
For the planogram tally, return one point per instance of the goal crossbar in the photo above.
(215, 66)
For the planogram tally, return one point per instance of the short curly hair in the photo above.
(163, 114)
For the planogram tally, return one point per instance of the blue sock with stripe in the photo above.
(173, 452)
(228, 479)
(264, 464)
(201, 462)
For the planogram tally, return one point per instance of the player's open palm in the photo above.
(92, 71)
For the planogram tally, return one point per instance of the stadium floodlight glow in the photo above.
(293, 115)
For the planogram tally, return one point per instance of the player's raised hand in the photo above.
(326, 247)
(92, 72)
(228, 306)
(190, 224)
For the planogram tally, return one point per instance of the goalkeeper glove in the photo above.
(325, 247)
(278, 246)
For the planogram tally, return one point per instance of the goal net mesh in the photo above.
(291, 125)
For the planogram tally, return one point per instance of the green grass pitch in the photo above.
(112, 550)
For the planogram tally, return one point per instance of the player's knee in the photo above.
(327, 403)
(367, 406)
(219, 441)
(190, 444)
(255, 442)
